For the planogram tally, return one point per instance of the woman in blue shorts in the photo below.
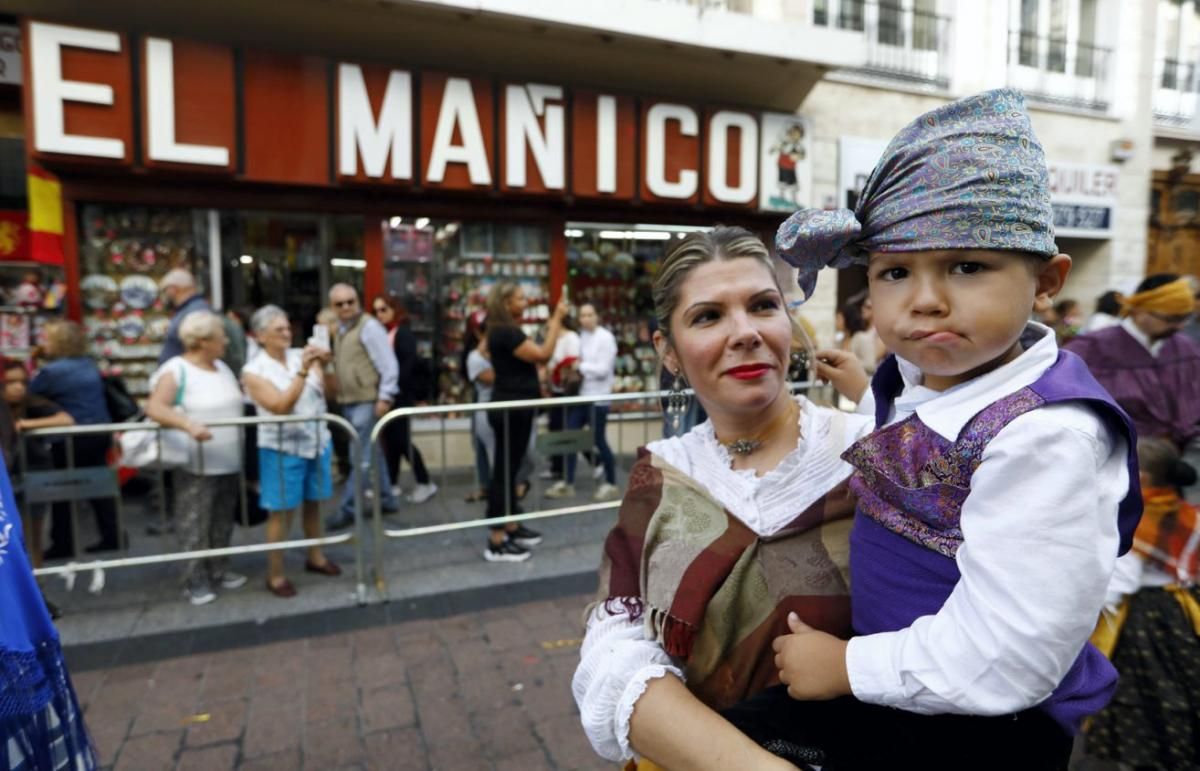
(294, 458)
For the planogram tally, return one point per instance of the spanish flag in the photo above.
(45, 217)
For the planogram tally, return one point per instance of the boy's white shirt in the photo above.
(1040, 543)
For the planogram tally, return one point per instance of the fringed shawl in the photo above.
(713, 593)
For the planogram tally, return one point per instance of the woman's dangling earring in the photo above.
(677, 402)
(799, 366)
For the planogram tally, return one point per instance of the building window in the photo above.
(1175, 99)
(906, 39)
(1054, 55)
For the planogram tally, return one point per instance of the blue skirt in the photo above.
(41, 724)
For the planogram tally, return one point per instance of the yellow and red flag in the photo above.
(45, 217)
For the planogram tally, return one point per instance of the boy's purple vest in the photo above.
(911, 484)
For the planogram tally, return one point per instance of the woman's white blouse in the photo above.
(618, 660)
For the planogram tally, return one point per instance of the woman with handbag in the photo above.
(186, 392)
(294, 459)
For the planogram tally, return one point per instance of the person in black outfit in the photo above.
(414, 387)
(514, 358)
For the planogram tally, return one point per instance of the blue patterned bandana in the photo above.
(969, 175)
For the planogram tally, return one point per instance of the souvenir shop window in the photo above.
(443, 270)
(124, 252)
(30, 295)
(612, 266)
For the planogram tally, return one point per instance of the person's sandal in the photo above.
(330, 568)
(476, 497)
(522, 491)
(283, 589)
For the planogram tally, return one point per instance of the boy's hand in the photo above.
(844, 371)
(812, 664)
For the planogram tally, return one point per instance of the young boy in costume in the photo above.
(997, 490)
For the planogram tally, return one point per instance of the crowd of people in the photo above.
(360, 363)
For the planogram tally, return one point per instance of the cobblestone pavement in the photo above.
(485, 691)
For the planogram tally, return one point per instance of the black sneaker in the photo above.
(507, 551)
(523, 536)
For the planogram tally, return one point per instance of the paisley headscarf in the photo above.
(969, 175)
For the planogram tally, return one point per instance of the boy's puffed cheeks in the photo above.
(959, 313)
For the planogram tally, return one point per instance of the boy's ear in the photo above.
(1051, 278)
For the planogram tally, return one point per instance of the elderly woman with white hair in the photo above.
(293, 458)
(187, 392)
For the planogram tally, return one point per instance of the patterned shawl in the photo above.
(714, 594)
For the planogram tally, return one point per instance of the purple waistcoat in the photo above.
(911, 484)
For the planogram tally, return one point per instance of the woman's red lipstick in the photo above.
(749, 371)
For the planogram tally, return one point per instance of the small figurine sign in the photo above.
(785, 177)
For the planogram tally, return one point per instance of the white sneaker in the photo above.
(560, 489)
(606, 491)
(547, 474)
(231, 580)
(598, 472)
(200, 595)
(422, 493)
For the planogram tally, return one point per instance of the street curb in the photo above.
(167, 645)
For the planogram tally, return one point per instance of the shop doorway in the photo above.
(289, 260)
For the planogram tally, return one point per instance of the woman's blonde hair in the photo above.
(720, 243)
(497, 305)
(64, 339)
(199, 326)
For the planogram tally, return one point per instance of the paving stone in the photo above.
(226, 722)
(289, 760)
(219, 758)
(271, 730)
(387, 708)
(153, 752)
(333, 744)
(533, 760)
(397, 748)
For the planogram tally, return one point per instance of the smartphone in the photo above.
(320, 336)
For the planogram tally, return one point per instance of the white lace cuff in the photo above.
(616, 663)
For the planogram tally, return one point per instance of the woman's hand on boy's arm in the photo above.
(844, 371)
(812, 663)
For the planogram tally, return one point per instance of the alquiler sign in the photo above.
(294, 119)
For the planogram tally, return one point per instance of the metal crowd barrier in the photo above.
(84, 483)
(569, 444)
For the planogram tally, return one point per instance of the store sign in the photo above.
(1084, 198)
(10, 55)
(786, 158)
(395, 126)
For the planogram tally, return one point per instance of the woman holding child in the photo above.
(723, 530)
(993, 496)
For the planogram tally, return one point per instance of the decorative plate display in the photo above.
(139, 292)
(131, 327)
(99, 291)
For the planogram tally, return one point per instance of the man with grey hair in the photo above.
(367, 375)
(179, 291)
